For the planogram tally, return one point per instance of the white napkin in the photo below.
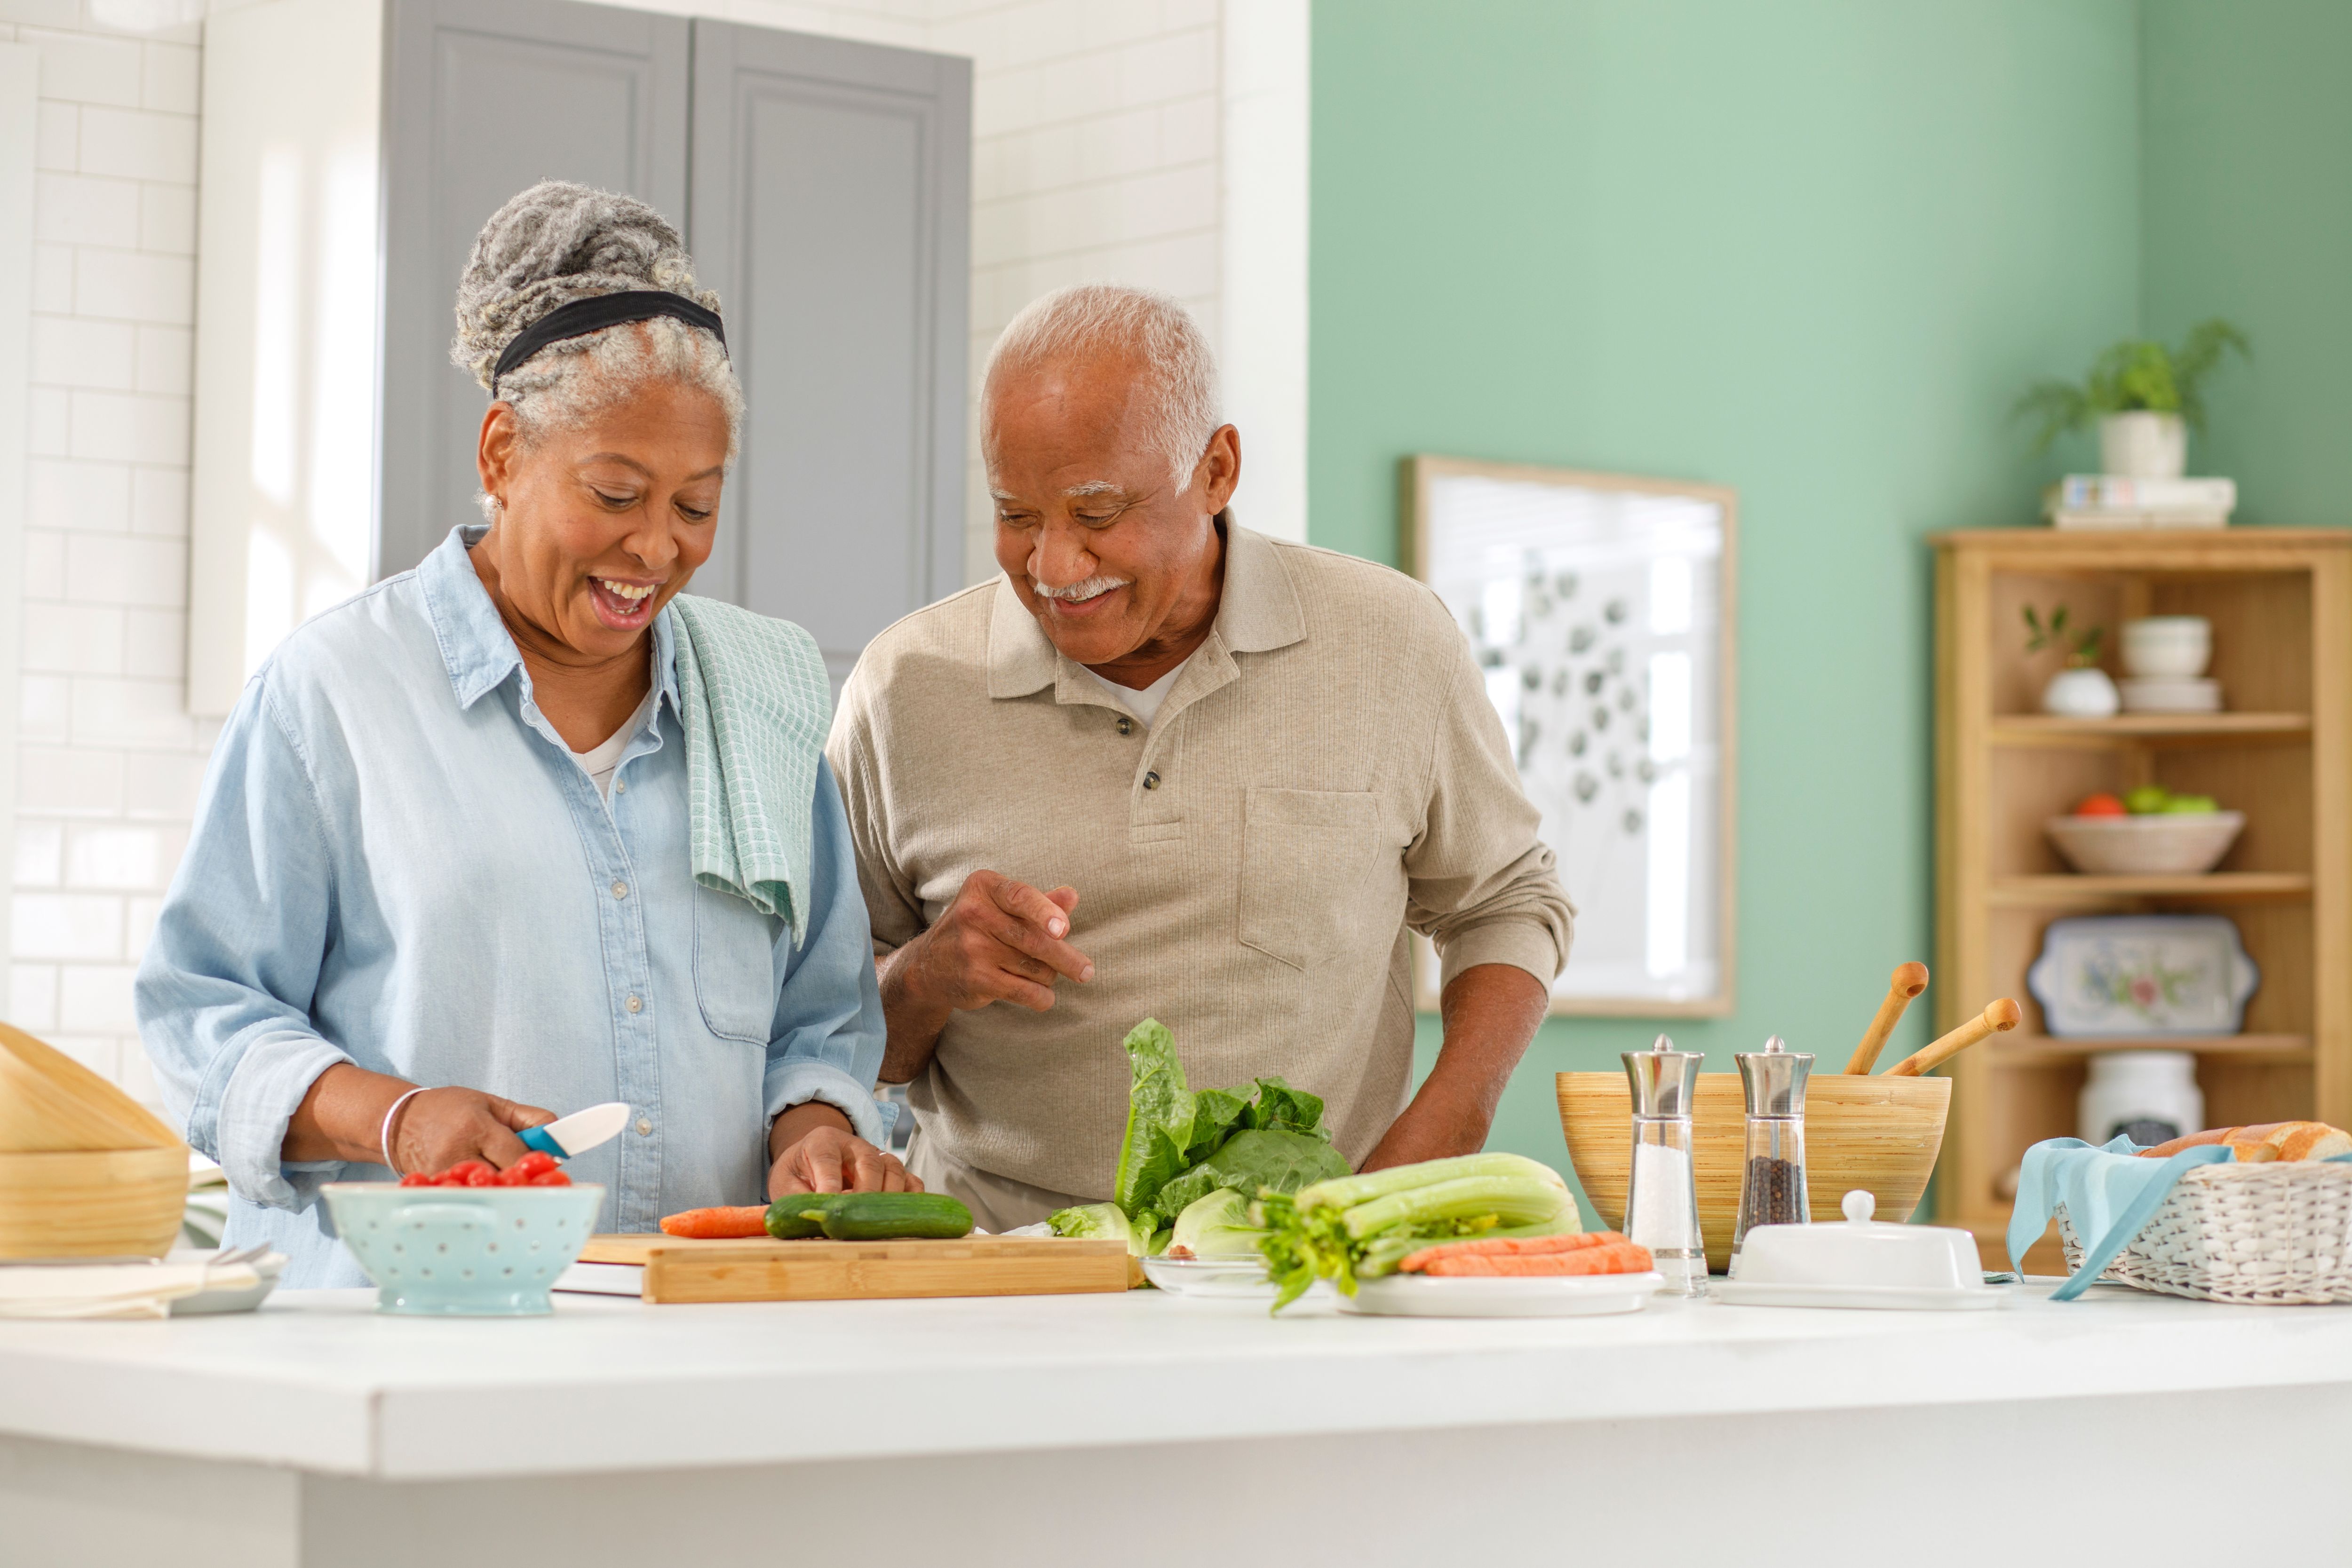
(111, 1290)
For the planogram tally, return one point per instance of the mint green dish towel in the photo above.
(756, 705)
(2110, 1194)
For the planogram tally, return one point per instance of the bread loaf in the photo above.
(2264, 1142)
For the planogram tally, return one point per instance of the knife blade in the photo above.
(579, 1132)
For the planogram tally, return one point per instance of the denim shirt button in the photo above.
(645, 1128)
(636, 1004)
(620, 889)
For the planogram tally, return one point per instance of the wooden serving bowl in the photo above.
(93, 1202)
(1879, 1132)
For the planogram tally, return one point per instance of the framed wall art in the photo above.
(1601, 608)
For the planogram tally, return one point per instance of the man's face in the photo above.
(1105, 547)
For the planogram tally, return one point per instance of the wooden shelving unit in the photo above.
(2281, 604)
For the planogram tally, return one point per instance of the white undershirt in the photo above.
(1144, 703)
(600, 763)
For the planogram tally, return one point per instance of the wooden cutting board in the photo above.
(762, 1269)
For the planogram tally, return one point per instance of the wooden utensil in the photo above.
(1907, 981)
(1999, 1016)
(758, 1268)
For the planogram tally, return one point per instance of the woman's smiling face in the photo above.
(602, 522)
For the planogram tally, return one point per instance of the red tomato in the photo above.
(553, 1179)
(416, 1178)
(537, 1163)
(2101, 805)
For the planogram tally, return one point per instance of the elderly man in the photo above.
(1168, 767)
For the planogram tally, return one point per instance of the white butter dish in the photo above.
(1861, 1263)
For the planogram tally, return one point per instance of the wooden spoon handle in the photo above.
(1999, 1017)
(1907, 981)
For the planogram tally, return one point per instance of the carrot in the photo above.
(1616, 1258)
(1507, 1247)
(718, 1224)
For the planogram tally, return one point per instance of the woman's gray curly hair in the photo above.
(556, 242)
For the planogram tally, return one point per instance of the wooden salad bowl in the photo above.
(1880, 1133)
(100, 1203)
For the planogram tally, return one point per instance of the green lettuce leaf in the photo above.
(1159, 1116)
(1252, 1163)
(1216, 1226)
(1216, 1116)
(1102, 1221)
(1280, 1106)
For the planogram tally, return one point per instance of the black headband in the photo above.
(599, 312)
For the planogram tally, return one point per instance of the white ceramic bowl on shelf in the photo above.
(2167, 647)
(2162, 844)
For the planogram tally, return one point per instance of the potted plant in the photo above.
(2146, 398)
(2081, 690)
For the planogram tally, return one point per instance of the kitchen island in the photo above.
(1145, 1429)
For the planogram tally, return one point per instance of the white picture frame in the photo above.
(1603, 606)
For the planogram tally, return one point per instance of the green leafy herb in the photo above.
(2131, 376)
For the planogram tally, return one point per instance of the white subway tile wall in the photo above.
(108, 759)
(1095, 155)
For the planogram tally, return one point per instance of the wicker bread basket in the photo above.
(2263, 1235)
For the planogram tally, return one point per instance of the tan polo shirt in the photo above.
(1326, 773)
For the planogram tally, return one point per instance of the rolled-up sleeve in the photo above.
(827, 1041)
(1480, 883)
(224, 993)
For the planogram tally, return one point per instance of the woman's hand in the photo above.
(341, 1118)
(442, 1126)
(815, 1151)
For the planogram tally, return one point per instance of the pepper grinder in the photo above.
(1772, 1190)
(1661, 1201)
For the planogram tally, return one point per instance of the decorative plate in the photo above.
(2151, 975)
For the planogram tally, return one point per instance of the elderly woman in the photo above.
(464, 860)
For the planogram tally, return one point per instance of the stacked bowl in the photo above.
(85, 1170)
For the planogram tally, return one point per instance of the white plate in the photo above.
(1470, 1296)
(1901, 1297)
(1229, 1277)
(228, 1298)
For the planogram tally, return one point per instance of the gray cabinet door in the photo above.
(831, 210)
(483, 98)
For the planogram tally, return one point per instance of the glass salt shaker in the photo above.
(1772, 1185)
(1661, 1199)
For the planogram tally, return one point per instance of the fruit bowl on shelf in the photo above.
(2165, 844)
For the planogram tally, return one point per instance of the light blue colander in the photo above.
(463, 1251)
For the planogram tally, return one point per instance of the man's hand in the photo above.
(1000, 941)
(816, 1152)
(1490, 1012)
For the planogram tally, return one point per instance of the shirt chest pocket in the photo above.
(1307, 855)
(734, 966)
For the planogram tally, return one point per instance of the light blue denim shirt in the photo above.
(396, 861)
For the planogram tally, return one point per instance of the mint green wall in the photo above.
(2248, 215)
(1809, 249)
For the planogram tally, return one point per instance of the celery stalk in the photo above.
(1347, 1192)
(1513, 1199)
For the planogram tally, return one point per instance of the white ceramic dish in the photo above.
(228, 1298)
(2168, 694)
(1227, 1276)
(1564, 1296)
(1909, 1298)
(2167, 647)
(2143, 974)
(2162, 844)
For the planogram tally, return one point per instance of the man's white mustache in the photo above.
(1078, 591)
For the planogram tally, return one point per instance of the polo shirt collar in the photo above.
(475, 647)
(1258, 611)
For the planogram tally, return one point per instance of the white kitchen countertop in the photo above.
(319, 1381)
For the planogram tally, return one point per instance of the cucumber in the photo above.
(800, 1216)
(867, 1216)
(888, 1215)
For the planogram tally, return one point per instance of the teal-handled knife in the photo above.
(577, 1133)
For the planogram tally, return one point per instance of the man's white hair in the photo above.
(1097, 320)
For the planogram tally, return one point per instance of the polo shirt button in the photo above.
(1151, 781)
(1126, 726)
(620, 889)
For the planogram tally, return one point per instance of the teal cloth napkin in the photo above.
(756, 703)
(2110, 1196)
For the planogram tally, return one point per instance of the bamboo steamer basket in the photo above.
(1879, 1132)
(51, 1103)
(93, 1202)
